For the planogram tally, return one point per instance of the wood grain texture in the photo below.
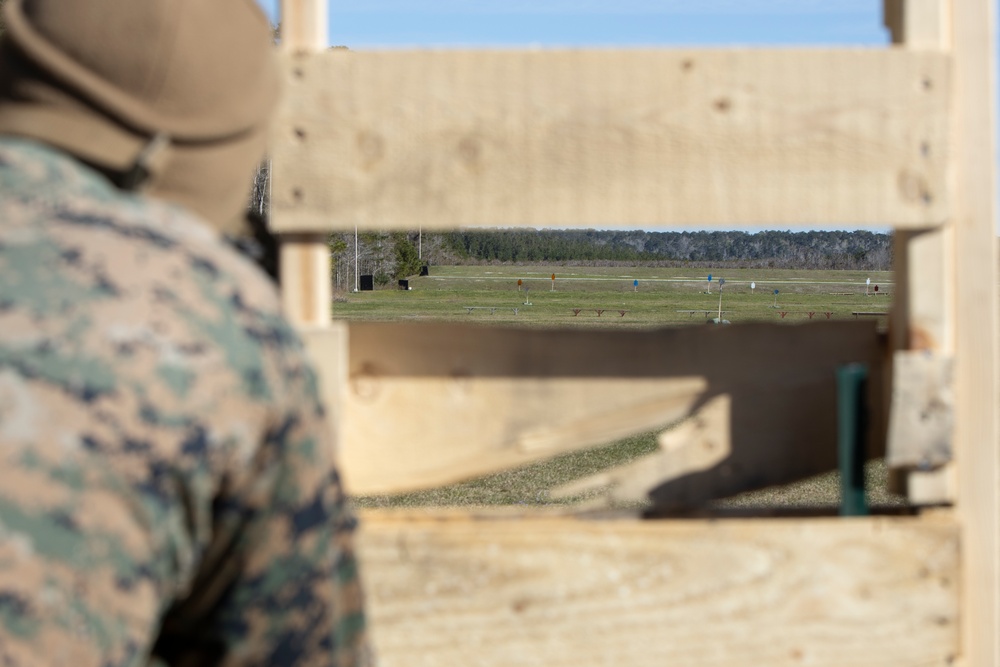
(452, 591)
(425, 405)
(977, 327)
(610, 138)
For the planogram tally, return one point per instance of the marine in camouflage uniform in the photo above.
(167, 494)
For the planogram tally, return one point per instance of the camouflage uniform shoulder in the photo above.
(161, 419)
(114, 247)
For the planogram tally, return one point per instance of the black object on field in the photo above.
(404, 284)
(425, 270)
(367, 283)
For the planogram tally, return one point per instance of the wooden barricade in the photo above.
(901, 136)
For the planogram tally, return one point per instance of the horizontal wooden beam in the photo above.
(612, 138)
(427, 404)
(447, 590)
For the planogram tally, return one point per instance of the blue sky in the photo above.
(402, 23)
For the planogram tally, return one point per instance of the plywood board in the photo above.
(425, 405)
(446, 590)
(606, 138)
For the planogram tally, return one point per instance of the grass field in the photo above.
(660, 299)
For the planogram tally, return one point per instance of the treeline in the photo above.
(392, 255)
(386, 256)
(861, 250)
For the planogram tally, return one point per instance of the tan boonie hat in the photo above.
(174, 93)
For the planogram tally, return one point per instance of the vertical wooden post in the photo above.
(923, 259)
(977, 327)
(305, 258)
(947, 301)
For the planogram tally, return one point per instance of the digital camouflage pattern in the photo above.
(166, 493)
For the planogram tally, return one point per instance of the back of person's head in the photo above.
(168, 96)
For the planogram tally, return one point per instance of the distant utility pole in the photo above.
(357, 280)
(722, 281)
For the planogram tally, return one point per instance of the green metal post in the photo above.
(852, 426)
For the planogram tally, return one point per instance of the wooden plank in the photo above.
(729, 353)
(304, 264)
(467, 400)
(446, 590)
(628, 138)
(977, 329)
(446, 430)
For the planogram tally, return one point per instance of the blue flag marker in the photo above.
(710, 277)
(635, 283)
